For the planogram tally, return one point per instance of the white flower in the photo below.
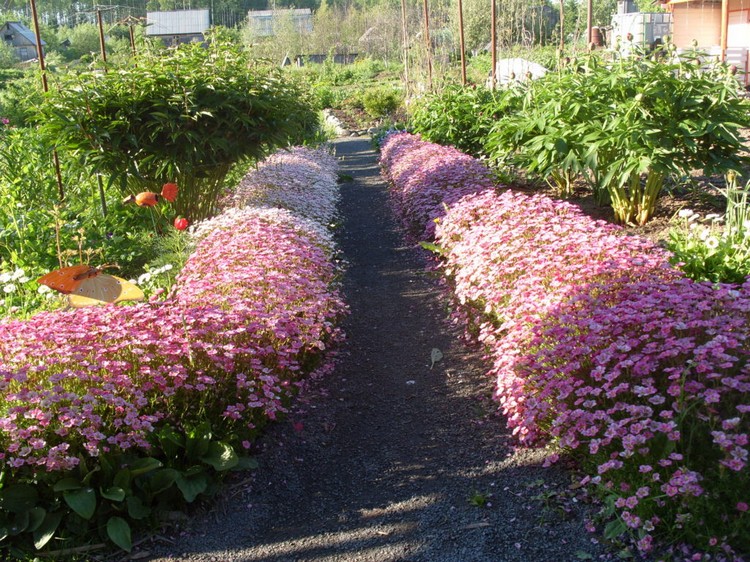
(18, 273)
(713, 217)
(712, 242)
(24, 279)
(143, 278)
(685, 213)
(43, 290)
(9, 288)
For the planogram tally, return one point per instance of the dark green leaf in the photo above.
(221, 456)
(47, 529)
(18, 498)
(118, 532)
(82, 501)
(113, 493)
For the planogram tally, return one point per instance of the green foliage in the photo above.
(462, 116)
(122, 492)
(183, 115)
(8, 58)
(706, 250)
(20, 94)
(381, 102)
(626, 126)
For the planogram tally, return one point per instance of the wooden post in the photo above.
(493, 44)
(102, 48)
(428, 43)
(589, 21)
(562, 24)
(461, 40)
(45, 87)
(724, 28)
(405, 39)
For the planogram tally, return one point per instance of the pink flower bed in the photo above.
(598, 346)
(427, 177)
(252, 313)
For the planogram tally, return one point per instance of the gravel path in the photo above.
(385, 455)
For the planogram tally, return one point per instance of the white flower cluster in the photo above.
(302, 180)
(11, 280)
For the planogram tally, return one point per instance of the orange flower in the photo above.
(146, 199)
(169, 191)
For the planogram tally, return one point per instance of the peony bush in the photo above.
(599, 346)
(111, 414)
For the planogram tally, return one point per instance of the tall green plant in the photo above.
(627, 125)
(181, 115)
(462, 116)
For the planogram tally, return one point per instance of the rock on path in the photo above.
(387, 458)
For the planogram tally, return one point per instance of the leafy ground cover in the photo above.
(112, 415)
(602, 348)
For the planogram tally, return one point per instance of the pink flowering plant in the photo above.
(111, 414)
(599, 346)
(425, 178)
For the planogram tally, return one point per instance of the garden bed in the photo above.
(599, 346)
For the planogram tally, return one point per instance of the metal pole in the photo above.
(45, 87)
(493, 39)
(428, 43)
(461, 38)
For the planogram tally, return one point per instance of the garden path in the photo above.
(383, 458)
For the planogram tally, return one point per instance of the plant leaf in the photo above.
(435, 356)
(118, 531)
(82, 501)
(113, 493)
(18, 498)
(47, 529)
(221, 456)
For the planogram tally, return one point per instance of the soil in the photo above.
(399, 454)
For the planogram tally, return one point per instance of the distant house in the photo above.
(262, 22)
(21, 39)
(721, 27)
(178, 26)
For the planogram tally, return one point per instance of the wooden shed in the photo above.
(21, 39)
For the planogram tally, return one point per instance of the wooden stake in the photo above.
(405, 40)
(428, 43)
(562, 24)
(102, 48)
(589, 21)
(45, 87)
(461, 38)
(493, 43)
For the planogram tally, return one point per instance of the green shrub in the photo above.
(183, 115)
(382, 101)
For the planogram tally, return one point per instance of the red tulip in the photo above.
(181, 223)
